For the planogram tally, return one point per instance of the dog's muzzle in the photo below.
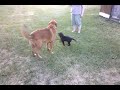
(56, 25)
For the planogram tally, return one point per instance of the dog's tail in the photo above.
(25, 33)
(74, 39)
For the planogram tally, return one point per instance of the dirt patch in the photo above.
(15, 70)
(18, 70)
(110, 76)
(71, 77)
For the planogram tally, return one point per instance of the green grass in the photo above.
(97, 47)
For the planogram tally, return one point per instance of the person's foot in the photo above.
(73, 31)
(79, 31)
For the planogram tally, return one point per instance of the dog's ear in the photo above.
(55, 22)
(50, 26)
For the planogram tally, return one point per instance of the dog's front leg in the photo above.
(63, 43)
(48, 46)
(51, 47)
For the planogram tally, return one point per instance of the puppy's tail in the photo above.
(25, 33)
(74, 39)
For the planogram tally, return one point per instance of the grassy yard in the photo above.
(93, 60)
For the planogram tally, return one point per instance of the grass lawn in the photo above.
(93, 60)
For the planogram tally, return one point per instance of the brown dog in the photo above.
(38, 37)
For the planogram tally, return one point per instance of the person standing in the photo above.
(77, 12)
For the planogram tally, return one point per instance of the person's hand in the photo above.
(81, 15)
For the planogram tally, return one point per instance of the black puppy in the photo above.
(65, 38)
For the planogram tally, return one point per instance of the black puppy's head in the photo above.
(61, 34)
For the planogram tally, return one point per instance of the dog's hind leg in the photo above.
(37, 53)
(33, 54)
(69, 44)
(39, 45)
(39, 56)
(36, 48)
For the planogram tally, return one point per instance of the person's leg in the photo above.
(74, 28)
(79, 29)
(73, 23)
(78, 22)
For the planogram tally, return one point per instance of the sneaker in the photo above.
(78, 31)
(73, 31)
